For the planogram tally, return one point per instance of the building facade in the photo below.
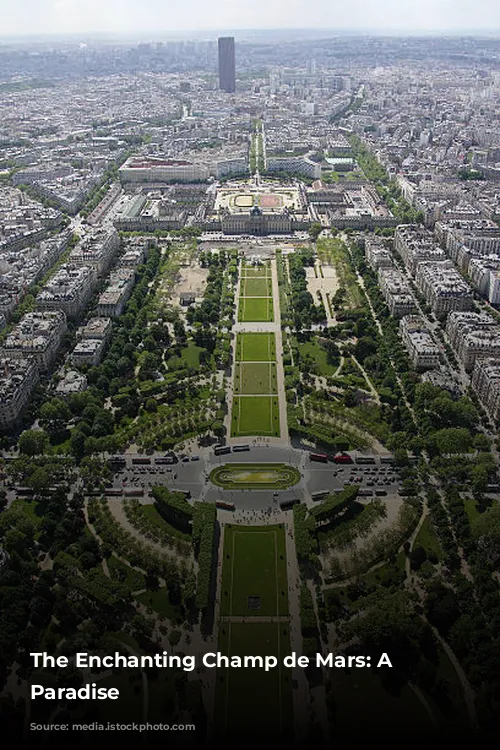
(443, 287)
(473, 336)
(38, 334)
(486, 383)
(227, 64)
(69, 290)
(396, 292)
(18, 377)
(421, 347)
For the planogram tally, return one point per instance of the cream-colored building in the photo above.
(38, 334)
(18, 377)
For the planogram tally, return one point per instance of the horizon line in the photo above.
(216, 31)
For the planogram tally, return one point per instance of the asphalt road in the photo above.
(193, 476)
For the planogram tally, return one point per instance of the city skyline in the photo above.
(63, 17)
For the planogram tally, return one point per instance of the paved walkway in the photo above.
(371, 387)
(325, 284)
(301, 696)
(118, 512)
(280, 373)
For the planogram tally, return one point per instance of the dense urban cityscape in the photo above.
(250, 383)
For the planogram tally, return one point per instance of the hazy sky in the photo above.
(19, 17)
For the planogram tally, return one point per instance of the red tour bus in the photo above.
(224, 505)
(342, 458)
(322, 457)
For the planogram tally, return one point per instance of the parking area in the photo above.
(135, 475)
(183, 472)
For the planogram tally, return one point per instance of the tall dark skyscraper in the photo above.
(227, 68)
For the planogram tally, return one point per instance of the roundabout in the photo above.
(265, 476)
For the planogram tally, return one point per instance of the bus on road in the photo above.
(342, 458)
(320, 494)
(321, 457)
(221, 450)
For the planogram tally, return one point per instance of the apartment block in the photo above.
(38, 334)
(473, 336)
(484, 274)
(133, 258)
(155, 169)
(418, 340)
(481, 235)
(114, 298)
(443, 287)
(18, 377)
(297, 165)
(415, 244)
(69, 290)
(96, 328)
(72, 382)
(396, 292)
(486, 384)
(97, 251)
(377, 255)
(88, 352)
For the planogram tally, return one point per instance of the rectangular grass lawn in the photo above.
(251, 704)
(260, 287)
(254, 565)
(256, 347)
(256, 272)
(255, 377)
(256, 310)
(255, 415)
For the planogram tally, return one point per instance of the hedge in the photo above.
(173, 507)
(308, 622)
(305, 540)
(205, 518)
(335, 503)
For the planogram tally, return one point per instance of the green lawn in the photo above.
(251, 704)
(471, 508)
(255, 310)
(255, 415)
(159, 602)
(254, 565)
(255, 476)
(29, 508)
(256, 272)
(255, 347)
(319, 356)
(255, 377)
(190, 355)
(427, 539)
(260, 287)
(150, 512)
